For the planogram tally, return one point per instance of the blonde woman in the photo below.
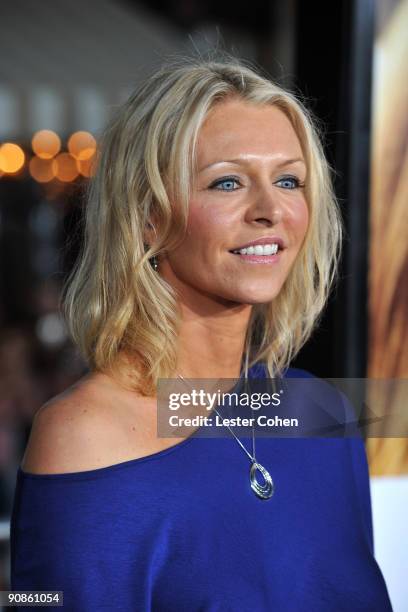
(212, 240)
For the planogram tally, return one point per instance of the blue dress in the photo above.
(181, 530)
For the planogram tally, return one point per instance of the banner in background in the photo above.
(388, 256)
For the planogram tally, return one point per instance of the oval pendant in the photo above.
(264, 491)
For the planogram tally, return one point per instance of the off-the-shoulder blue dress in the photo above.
(181, 530)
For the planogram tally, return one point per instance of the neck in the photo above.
(212, 339)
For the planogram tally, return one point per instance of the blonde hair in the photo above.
(120, 312)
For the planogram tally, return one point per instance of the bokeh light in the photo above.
(12, 158)
(66, 168)
(42, 170)
(46, 144)
(87, 167)
(82, 145)
(51, 330)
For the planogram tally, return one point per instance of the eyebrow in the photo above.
(285, 162)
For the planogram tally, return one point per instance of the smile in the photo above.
(254, 255)
(259, 249)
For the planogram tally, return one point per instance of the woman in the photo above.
(204, 173)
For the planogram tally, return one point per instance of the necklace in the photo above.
(264, 491)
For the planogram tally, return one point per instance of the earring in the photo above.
(154, 263)
(153, 260)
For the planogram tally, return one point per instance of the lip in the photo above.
(264, 240)
(259, 259)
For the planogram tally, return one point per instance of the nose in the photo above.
(265, 207)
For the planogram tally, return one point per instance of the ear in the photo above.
(149, 234)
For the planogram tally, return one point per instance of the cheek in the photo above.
(206, 223)
(300, 217)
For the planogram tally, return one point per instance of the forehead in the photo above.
(236, 127)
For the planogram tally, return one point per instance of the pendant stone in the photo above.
(264, 491)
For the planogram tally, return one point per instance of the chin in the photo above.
(255, 297)
(261, 300)
(257, 294)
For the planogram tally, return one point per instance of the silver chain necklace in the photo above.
(264, 491)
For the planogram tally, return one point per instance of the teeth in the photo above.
(259, 249)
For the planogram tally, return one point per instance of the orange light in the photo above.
(42, 170)
(46, 144)
(82, 145)
(11, 158)
(87, 167)
(66, 169)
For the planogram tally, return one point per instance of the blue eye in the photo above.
(290, 182)
(225, 184)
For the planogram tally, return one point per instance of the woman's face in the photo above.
(248, 187)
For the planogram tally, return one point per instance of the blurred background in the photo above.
(65, 66)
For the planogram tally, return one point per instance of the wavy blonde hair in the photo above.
(122, 315)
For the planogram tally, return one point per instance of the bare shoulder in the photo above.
(74, 431)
